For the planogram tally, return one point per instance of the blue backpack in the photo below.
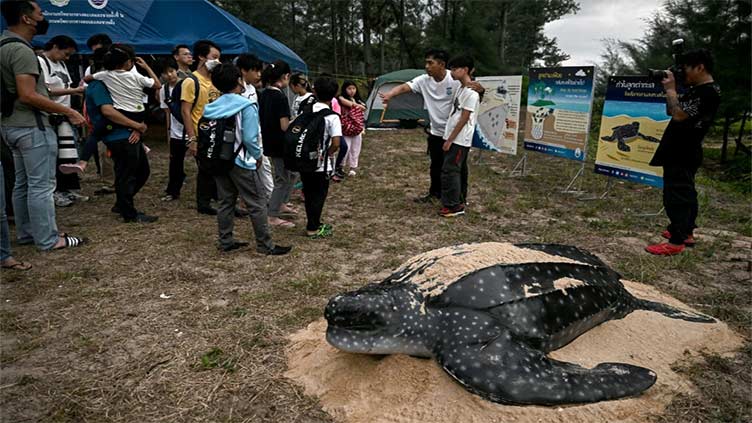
(173, 101)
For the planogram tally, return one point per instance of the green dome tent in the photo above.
(405, 109)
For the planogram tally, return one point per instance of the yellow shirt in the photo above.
(206, 94)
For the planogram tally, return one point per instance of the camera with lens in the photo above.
(677, 49)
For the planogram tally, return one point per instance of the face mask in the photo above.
(42, 26)
(211, 64)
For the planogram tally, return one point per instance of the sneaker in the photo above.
(352, 173)
(75, 195)
(168, 198)
(430, 198)
(278, 250)
(105, 190)
(689, 242)
(210, 211)
(142, 218)
(452, 211)
(664, 249)
(324, 231)
(234, 246)
(61, 199)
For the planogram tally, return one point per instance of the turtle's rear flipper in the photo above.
(622, 146)
(672, 312)
(506, 370)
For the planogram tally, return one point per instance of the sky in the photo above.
(580, 35)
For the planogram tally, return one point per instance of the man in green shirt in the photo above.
(26, 129)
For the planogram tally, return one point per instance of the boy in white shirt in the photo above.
(175, 134)
(458, 137)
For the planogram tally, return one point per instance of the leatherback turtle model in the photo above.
(489, 313)
(623, 133)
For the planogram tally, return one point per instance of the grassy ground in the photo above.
(87, 335)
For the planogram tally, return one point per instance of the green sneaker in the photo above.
(325, 231)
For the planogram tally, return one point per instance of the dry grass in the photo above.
(87, 338)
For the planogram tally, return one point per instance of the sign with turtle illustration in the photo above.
(499, 114)
(559, 103)
(634, 118)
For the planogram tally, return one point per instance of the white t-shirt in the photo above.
(176, 128)
(295, 110)
(250, 93)
(126, 88)
(464, 99)
(437, 97)
(333, 128)
(56, 77)
(87, 72)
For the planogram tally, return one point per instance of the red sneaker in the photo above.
(664, 249)
(452, 212)
(689, 242)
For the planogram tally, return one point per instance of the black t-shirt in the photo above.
(272, 107)
(681, 144)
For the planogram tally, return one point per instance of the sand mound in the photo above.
(399, 388)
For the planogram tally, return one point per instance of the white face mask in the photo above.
(211, 64)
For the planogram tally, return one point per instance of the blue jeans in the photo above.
(4, 229)
(34, 155)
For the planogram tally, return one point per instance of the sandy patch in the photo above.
(398, 388)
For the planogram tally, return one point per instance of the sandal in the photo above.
(70, 241)
(19, 265)
(282, 223)
(68, 168)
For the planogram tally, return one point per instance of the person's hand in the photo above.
(79, 90)
(476, 86)
(75, 118)
(385, 98)
(447, 145)
(669, 83)
(192, 147)
(140, 62)
(141, 128)
(360, 106)
(134, 137)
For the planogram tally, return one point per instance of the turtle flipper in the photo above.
(506, 370)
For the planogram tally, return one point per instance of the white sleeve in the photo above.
(101, 76)
(145, 81)
(470, 101)
(416, 84)
(335, 126)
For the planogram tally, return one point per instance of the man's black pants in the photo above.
(131, 173)
(436, 154)
(206, 189)
(315, 190)
(680, 201)
(178, 148)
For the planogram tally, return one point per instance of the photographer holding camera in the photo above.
(680, 149)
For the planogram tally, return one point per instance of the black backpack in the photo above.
(304, 141)
(216, 145)
(173, 101)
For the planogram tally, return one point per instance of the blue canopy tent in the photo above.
(156, 26)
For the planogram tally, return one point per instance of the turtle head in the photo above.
(377, 319)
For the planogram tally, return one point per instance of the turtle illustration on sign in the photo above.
(625, 133)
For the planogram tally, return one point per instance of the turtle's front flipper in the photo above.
(506, 370)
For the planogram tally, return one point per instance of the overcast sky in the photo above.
(580, 35)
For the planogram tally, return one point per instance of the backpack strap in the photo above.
(47, 62)
(37, 113)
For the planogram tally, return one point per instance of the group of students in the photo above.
(40, 129)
